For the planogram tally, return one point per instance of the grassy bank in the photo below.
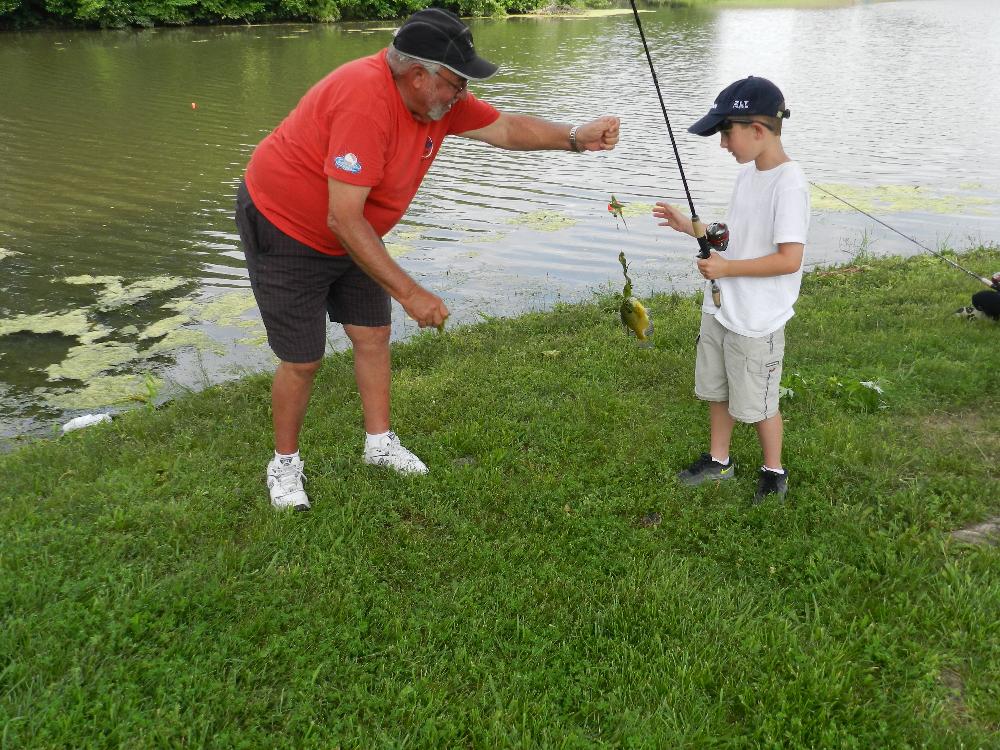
(548, 584)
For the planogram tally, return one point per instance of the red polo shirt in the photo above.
(353, 127)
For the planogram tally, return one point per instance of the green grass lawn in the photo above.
(523, 594)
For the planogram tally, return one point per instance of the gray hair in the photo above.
(400, 63)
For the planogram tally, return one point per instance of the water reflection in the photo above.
(109, 171)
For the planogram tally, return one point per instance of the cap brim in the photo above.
(476, 69)
(707, 125)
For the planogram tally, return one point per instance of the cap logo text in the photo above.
(741, 104)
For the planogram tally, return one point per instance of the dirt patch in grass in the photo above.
(987, 532)
(972, 432)
(955, 685)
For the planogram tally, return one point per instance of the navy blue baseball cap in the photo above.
(748, 96)
(439, 36)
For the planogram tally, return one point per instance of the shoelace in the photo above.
(289, 476)
(705, 461)
(770, 482)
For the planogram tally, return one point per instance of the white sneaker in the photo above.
(388, 451)
(284, 482)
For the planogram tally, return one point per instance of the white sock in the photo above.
(286, 459)
(721, 461)
(773, 471)
(375, 439)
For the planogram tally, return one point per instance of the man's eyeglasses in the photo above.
(727, 124)
(458, 87)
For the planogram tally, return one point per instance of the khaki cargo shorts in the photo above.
(743, 370)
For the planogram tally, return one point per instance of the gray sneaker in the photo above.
(771, 484)
(706, 469)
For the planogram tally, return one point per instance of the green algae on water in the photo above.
(116, 294)
(485, 237)
(185, 337)
(253, 341)
(85, 361)
(407, 235)
(163, 327)
(637, 209)
(71, 323)
(397, 249)
(103, 391)
(897, 199)
(543, 221)
(224, 310)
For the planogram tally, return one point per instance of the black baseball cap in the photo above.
(748, 96)
(439, 36)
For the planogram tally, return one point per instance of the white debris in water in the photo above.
(78, 423)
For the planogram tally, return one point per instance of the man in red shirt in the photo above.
(335, 176)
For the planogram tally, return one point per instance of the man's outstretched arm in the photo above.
(528, 133)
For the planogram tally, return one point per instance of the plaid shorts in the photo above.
(295, 285)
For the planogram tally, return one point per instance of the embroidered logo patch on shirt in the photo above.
(428, 148)
(348, 162)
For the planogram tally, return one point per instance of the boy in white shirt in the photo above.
(742, 342)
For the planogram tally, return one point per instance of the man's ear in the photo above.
(418, 76)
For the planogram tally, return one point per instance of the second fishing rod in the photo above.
(716, 235)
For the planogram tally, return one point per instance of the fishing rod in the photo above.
(976, 276)
(716, 236)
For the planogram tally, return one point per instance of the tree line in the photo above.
(116, 14)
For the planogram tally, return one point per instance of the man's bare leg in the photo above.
(290, 393)
(372, 373)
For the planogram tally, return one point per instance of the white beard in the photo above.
(438, 111)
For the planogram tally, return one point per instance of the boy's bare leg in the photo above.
(769, 431)
(722, 424)
(290, 392)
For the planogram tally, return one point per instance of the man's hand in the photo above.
(673, 218)
(424, 307)
(713, 267)
(598, 135)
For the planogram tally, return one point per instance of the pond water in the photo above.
(121, 275)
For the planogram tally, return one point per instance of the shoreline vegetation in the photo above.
(22, 15)
(548, 584)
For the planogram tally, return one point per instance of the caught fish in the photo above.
(615, 209)
(635, 318)
(633, 313)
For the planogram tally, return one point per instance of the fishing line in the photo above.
(699, 228)
(918, 244)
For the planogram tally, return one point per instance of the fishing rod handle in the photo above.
(705, 249)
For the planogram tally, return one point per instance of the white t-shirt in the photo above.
(767, 208)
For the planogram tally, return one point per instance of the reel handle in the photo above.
(716, 237)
